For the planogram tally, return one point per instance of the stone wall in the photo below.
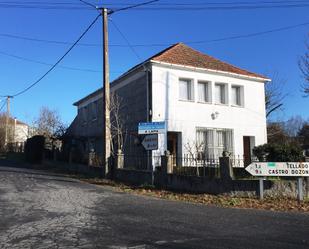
(134, 177)
(244, 188)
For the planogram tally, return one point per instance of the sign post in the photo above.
(296, 169)
(261, 188)
(300, 195)
(150, 142)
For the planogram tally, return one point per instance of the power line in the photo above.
(170, 7)
(163, 44)
(127, 41)
(61, 58)
(2, 106)
(134, 6)
(48, 64)
(211, 8)
(46, 41)
(251, 34)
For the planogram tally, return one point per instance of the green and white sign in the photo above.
(279, 169)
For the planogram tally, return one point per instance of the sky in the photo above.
(268, 54)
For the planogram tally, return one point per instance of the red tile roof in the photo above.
(181, 54)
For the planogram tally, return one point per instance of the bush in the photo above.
(278, 153)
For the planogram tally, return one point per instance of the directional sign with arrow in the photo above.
(279, 169)
(150, 142)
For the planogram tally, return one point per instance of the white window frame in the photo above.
(207, 94)
(223, 96)
(212, 148)
(190, 95)
(240, 98)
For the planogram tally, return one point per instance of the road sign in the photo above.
(151, 128)
(279, 169)
(150, 142)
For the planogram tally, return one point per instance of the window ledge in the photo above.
(204, 102)
(239, 106)
(221, 104)
(186, 100)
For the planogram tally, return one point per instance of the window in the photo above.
(84, 114)
(185, 89)
(94, 110)
(212, 142)
(220, 93)
(236, 97)
(203, 91)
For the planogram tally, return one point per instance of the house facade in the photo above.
(209, 106)
(13, 135)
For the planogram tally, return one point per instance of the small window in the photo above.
(84, 114)
(185, 89)
(236, 98)
(203, 91)
(220, 93)
(94, 110)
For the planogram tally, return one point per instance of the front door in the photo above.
(247, 150)
(172, 145)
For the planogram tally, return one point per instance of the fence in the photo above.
(138, 162)
(187, 164)
(196, 165)
(242, 161)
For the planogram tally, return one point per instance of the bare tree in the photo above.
(276, 133)
(117, 124)
(194, 149)
(274, 95)
(48, 123)
(293, 125)
(303, 65)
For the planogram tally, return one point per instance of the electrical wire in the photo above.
(128, 3)
(134, 6)
(59, 60)
(49, 64)
(127, 41)
(46, 41)
(170, 7)
(162, 44)
(2, 106)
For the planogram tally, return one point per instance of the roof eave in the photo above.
(213, 71)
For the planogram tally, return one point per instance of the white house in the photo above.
(15, 134)
(205, 102)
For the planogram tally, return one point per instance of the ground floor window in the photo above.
(212, 142)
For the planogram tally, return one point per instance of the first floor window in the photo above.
(212, 142)
(185, 89)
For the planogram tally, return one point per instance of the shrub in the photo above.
(278, 153)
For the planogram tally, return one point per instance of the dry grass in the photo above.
(274, 204)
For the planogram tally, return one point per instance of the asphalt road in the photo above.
(42, 210)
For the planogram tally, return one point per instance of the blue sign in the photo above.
(151, 128)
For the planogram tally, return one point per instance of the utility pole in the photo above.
(106, 96)
(7, 121)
